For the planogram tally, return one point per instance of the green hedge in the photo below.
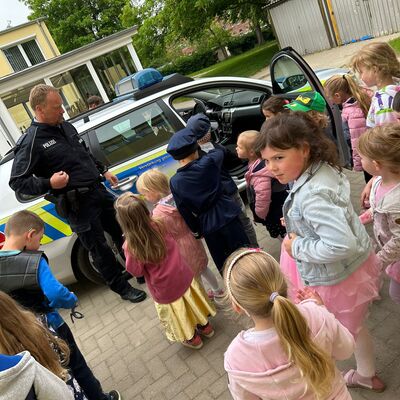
(240, 44)
(188, 64)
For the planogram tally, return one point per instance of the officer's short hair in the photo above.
(22, 222)
(38, 94)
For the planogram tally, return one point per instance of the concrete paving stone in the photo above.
(92, 356)
(137, 388)
(157, 368)
(218, 387)
(158, 348)
(101, 371)
(181, 396)
(157, 388)
(176, 366)
(176, 390)
(119, 369)
(197, 363)
(201, 384)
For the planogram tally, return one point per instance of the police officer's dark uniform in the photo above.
(46, 149)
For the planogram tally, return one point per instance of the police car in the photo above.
(130, 136)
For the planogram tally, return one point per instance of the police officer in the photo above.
(51, 157)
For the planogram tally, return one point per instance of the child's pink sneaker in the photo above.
(206, 330)
(218, 294)
(194, 343)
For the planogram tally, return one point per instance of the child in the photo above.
(37, 367)
(150, 250)
(272, 106)
(264, 193)
(154, 186)
(22, 377)
(25, 274)
(200, 197)
(200, 125)
(314, 105)
(355, 103)
(290, 352)
(377, 65)
(325, 236)
(380, 150)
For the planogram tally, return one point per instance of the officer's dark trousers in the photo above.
(223, 242)
(80, 370)
(96, 216)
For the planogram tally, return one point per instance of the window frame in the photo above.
(22, 52)
(95, 146)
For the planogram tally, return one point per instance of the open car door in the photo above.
(291, 76)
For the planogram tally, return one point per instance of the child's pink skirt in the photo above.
(349, 299)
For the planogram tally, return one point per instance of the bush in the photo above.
(188, 64)
(240, 44)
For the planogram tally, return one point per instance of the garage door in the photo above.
(299, 24)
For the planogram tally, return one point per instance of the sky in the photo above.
(14, 11)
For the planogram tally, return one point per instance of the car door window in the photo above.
(134, 133)
(289, 77)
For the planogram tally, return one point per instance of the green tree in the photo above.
(243, 10)
(74, 23)
(150, 40)
(191, 19)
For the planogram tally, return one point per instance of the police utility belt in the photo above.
(68, 202)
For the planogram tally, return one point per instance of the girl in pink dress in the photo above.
(332, 249)
(355, 102)
(150, 251)
(154, 186)
(380, 151)
(290, 352)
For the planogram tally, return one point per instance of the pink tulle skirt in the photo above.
(349, 299)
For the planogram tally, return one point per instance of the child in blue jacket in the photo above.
(26, 276)
(200, 198)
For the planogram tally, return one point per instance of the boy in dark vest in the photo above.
(26, 276)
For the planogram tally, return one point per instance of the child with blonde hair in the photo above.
(380, 156)
(264, 193)
(332, 249)
(344, 91)
(150, 250)
(290, 352)
(21, 330)
(378, 66)
(154, 186)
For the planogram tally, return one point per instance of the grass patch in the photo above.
(245, 64)
(395, 43)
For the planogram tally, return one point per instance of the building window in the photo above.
(112, 67)
(24, 55)
(17, 103)
(76, 86)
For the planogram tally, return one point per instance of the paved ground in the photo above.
(338, 57)
(125, 346)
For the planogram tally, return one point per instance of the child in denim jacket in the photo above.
(332, 249)
(379, 152)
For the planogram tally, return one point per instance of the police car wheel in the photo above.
(86, 267)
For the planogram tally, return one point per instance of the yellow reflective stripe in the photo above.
(46, 239)
(138, 162)
(55, 223)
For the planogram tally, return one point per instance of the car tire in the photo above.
(86, 267)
